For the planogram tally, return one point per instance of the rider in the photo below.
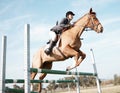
(58, 29)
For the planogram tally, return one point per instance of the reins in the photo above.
(92, 25)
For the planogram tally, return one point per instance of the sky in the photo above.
(42, 15)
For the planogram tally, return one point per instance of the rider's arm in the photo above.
(65, 23)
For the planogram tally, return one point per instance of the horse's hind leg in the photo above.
(46, 65)
(42, 76)
(32, 76)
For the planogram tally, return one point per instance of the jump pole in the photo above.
(27, 58)
(95, 71)
(77, 83)
(3, 64)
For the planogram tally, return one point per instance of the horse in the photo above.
(69, 46)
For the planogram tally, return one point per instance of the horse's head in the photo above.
(93, 22)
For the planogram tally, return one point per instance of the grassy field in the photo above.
(105, 89)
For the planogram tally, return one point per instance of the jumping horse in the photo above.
(69, 46)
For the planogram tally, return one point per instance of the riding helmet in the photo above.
(69, 12)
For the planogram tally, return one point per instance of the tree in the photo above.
(116, 79)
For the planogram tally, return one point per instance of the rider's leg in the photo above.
(53, 41)
(53, 36)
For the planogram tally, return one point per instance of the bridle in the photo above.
(93, 25)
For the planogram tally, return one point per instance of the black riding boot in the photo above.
(51, 45)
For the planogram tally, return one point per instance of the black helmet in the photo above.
(69, 12)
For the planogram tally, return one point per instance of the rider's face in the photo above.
(70, 17)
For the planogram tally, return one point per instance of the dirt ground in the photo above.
(105, 89)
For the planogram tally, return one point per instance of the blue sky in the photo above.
(43, 14)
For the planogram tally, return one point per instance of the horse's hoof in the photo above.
(68, 68)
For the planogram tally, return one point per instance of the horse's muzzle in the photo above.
(101, 30)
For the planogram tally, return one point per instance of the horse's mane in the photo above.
(94, 13)
(79, 19)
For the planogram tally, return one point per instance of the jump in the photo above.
(69, 45)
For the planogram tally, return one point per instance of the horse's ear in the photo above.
(90, 10)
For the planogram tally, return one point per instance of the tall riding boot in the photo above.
(49, 49)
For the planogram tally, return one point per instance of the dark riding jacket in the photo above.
(64, 24)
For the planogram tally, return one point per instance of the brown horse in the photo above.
(69, 45)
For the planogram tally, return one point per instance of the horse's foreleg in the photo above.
(68, 51)
(81, 58)
(32, 76)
